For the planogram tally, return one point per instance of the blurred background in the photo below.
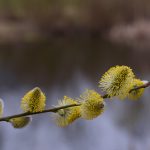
(64, 46)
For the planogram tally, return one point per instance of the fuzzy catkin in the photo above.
(136, 94)
(117, 81)
(20, 122)
(33, 101)
(92, 105)
(1, 107)
(66, 116)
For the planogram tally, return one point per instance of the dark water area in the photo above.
(56, 60)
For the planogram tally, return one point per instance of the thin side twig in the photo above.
(136, 88)
(140, 87)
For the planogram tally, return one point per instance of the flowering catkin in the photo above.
(20, 122)
(136, 94)
(66, 116)
(117, 81)
(33, 101)
(1, 107)
(92, 105)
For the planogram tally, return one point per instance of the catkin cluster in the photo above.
(91, 105)
(33, 101)
(118, 81)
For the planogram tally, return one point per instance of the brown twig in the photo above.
(34, 113)
(140, 87)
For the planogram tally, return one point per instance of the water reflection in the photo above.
(55, 61)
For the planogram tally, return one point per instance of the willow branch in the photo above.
(55, 109)
(140, 87)
(34, 113)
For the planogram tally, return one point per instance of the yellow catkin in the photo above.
(136, 94)
(64, 117)
(1, 107)
(92, 105)
(33, 101)
(117, 81)
(20, 122)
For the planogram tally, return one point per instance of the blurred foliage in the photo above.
(22, 20)
(94, 12)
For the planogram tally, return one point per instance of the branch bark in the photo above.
(34, 113)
